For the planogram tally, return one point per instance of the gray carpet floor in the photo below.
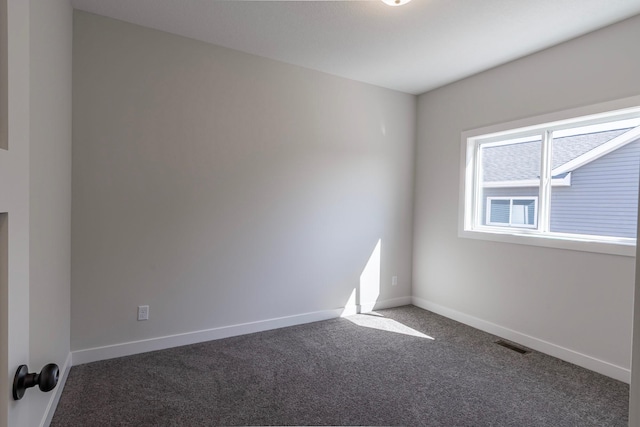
(401, 366)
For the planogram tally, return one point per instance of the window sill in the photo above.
(552, 241)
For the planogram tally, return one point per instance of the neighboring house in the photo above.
(594, 183)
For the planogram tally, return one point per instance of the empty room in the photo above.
(342, 212)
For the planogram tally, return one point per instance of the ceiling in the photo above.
(413, 48)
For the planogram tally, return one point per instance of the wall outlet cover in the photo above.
(143, 312)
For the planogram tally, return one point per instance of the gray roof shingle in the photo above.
(521, 161)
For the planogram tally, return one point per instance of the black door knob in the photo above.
(46, 380)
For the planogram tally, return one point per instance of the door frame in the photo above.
(14, 202)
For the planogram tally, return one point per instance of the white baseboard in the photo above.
(380, 305)
(57, 392)
(160, 343)
(152, 344)
(366, 307)
(571, 356)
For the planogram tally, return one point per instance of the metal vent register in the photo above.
(513, 347)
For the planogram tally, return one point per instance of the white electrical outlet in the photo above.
(143, 312)
(394, 281)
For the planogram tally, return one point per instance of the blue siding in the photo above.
(603, 197)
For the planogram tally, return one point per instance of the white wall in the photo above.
(49, 193)
(554, 299)
(222, 188)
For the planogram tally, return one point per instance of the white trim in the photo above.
(532, 137)
(558, 119)
(57, 392)
(605, 368)
(511, 199)
(366, 307)
(470, 209)
(555, 182)
(552, 240)
(601, 150)
(544, 225)
(159, 343)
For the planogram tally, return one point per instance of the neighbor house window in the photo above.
(572, 179)
(512, 211)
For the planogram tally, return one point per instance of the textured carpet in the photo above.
(402, 366)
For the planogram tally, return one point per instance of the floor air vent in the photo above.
(513, 347)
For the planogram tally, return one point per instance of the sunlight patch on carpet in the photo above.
(383, 324)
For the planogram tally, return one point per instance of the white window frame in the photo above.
(470, 211)
(511, 199)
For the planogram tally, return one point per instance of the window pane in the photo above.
(523, 212)
(599, 168)
(510, 169)
(500, 211)
(518, 215)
